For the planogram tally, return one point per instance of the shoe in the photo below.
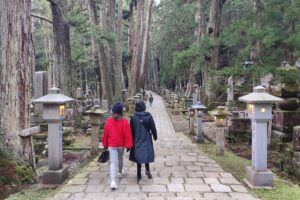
(113, 185)
(121, 175)
(139, 177)
(149, 175)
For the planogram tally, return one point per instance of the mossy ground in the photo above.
(14, 175)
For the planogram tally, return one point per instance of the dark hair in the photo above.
(140, 106)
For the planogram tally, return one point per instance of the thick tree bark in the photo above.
(95, 47)
(133, 80)
(107, 92)
(200, 19)
(62, 50)
(15, 66)
(119, 49)
(130, 37)
(145, 44)
(213, 30)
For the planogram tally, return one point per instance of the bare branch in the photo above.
(41, 17)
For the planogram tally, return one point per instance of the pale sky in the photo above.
(157, 2)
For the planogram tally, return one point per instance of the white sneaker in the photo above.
(113, 185)
(122, 175)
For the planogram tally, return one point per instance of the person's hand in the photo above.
(155, 138)
(128, 149)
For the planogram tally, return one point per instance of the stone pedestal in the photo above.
(296, 138)
(220, 140)
(296, 148)
(55, 177)
(259, 178)
(95, 119)
(192, 122)
(55, 159)
(199, 136)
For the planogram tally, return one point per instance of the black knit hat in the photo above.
(140, 106)
(117, 108)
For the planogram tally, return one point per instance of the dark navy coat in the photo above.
(143, 129)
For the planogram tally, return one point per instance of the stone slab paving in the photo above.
(180, 172)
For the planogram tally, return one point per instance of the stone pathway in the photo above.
(180, 172)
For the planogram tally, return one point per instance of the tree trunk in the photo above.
(62, 50)
(133, 80)
(106, 86)
(213, 31)
(256, 48)
(95, 47)
(145, 45)
(200, 19)
(130, 38)
(15, 66)
(119, 44)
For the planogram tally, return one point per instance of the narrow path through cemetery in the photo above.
(180, 171)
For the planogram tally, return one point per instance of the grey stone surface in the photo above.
(180, 171)
(220, 188)
(55, 177)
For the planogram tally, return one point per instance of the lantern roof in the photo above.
(53, 97)
(259, 95)
(198, 106)
(220, 111)
(97, 111)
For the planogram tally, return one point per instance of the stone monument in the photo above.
(199, 107)
(230, 89)
(54, 114)
(259, 104)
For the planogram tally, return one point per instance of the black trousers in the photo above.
(139, 167)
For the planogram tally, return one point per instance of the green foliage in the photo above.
(172, 31)
(14, 174)
(289, 75)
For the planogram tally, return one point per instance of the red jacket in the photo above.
(117, 133)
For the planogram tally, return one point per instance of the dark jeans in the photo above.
(139, 167)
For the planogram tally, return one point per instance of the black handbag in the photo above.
(104, 157)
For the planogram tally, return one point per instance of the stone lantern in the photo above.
(221, 121)
(96, 115)
(137, 98)
(130, 102)
(188, 103)
(259, 105)
(199, 107)
(54, 113)
(191, 120)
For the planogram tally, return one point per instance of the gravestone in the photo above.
(97, 102)
(79, 93)
(230, 89)
(40, 89)
(124, 95)
(105, 105)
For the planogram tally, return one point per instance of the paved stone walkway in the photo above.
(180, 172)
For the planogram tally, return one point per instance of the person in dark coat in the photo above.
(151, 99)
(143, 129)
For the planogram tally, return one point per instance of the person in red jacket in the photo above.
(116, 137)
